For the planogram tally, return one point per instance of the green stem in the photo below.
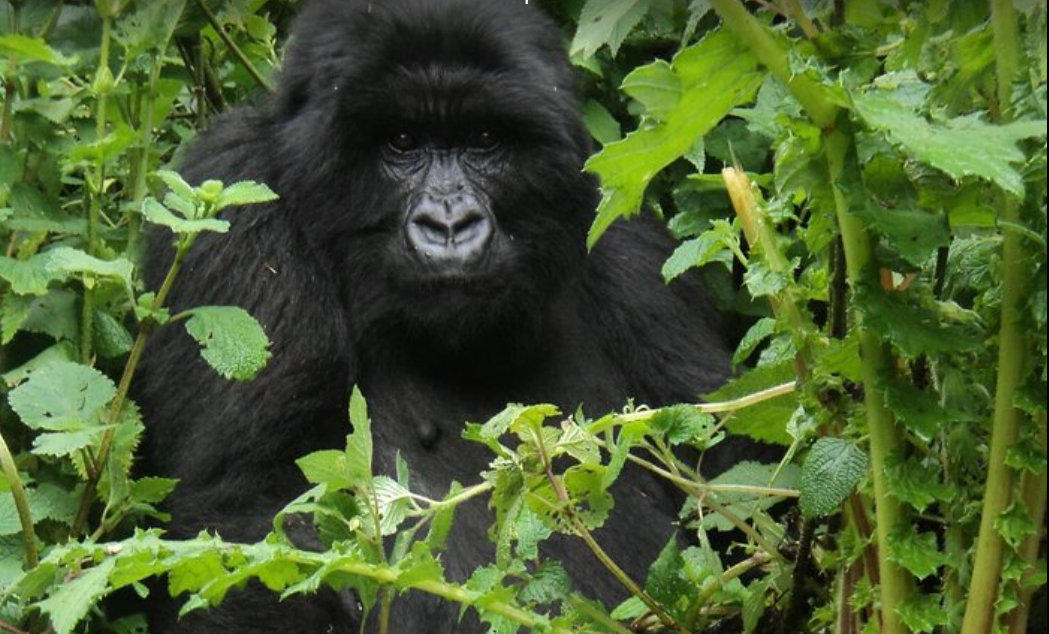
(232, 46)
(885, 436)
(811, 95)
(1012, 355)
(25, 517)
(797, 13)
(113, 414)
(142, 164)
(717, 407)
(1034, 492)
(10, 85)
(584, 533)
(96, 192)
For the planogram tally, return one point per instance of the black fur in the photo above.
(326, 272)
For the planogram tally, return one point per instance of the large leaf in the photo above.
(830, 473)
(606, 22)
(233, 343)
(715, 75)
(62, 396)
(964, 146)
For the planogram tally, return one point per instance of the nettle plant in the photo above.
(873, 172)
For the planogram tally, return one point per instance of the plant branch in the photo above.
(720, 406)
(232, 46)
(797, 13)
(25, 517)
(1012, 356)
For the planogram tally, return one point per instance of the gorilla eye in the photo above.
(403, 142)
(485, 140)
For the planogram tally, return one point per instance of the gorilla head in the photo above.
(434, 152)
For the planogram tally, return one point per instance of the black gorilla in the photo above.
(428, 246)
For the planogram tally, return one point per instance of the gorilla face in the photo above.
(437, 161)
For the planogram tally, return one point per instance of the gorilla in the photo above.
(428, 246)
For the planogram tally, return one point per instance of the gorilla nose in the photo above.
(449, 228)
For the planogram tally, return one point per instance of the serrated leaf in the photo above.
(62, 397)
(917, 552)
(606, 22)
(600, 123)
(68, 605)
(158, 214)
(244, 193)
(32, 49)
(548, 584)
(766, 421)
(65, 261)
(328, 467)
(913, 233)
(681, 423)
(916, 323)
(716, 75)
(27, 277)
(1015, 524)
(233, 343)
(829, 475)
(177, 184)
(359, 441)
(656, 86)
(964, 146)
(916, 483)
(923, 613)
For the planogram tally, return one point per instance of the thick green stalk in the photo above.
(25, 518)
(10, 81)
(1012, 355)
(97, 191)
(885, 436)
(811, 95)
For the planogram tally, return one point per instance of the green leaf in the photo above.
(917, 483)
(916, 323)
(68, 605)
(914, 234)
(964, 146)
(606, 22)
(233, 343)
(682, 424)
(766, 421)
(667, 583)
(359, 442)
(111, 338)
(917, 552)
(27, 277)
(829, 475)
(747, 505)
(601, 124)
(31, 49)
(716, 75)
(713, 245)
(244, 193)
(328, 467)
(65, 261)
(177, 184)
(62, 397)
(923, 613)
(548, 584)
(158, 214)
(656, 86)
(1015, 524)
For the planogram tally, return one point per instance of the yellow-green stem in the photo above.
(885, 437)
(980, 607)
(25, 517)
(87, 496)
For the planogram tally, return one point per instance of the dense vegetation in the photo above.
(861, 183)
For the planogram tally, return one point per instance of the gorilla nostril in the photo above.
(432, 229)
